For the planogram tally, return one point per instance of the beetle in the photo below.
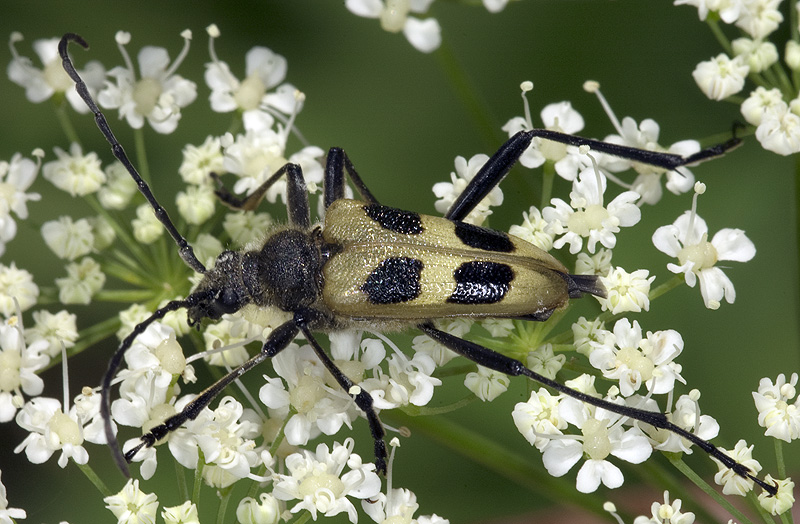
(377, 267)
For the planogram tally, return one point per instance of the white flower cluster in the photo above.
(773, 107)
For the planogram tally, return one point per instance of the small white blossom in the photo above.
(440, 354)
(186, 513)
(721, 77)
(316, 480)
(243, 228)
(626, 291)
(397, 507)
(666, 513)
(158, 95)
(16, 284)
(133, 506)
(687, 240)
(728, 10)
(733, 484)
(782, 501)
(792, 55)
(534, 229)
(487, 384)
(119, 188)
(545, 362)
(775, 412)
(587, 333)
(424, 35)
(19, 364)
(196, 204)
(686, 415)
(55, 329)
(50, 430)
(200, 161)
(596, 264)
(251, 511)
(67, 239)
(587, 217)
(146, 227)
(447, 192)
(6, 513)
(74, 172)
(779, 130)
(759, 102)
(759, 18)
(16, 177)
(539, 417)
(41, 84)
(758, 55)
(84, 279)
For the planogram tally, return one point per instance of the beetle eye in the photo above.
(228, 301)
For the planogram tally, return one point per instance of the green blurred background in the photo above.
(402, 121)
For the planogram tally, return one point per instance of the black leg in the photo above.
(491, 359)
(337, 164)
(362, 398)
(296, 195)
(275, 343)
(498, 166)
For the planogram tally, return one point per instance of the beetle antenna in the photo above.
(114, 363)
(185, 250)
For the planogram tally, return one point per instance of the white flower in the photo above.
(119, 188)
(775, 412)
(397, 507)
(487, 384)
(545, 362)
(588, 333)
(560, 117)
(721, 77)
(687, 240)
(316, 480)
(534, 229)
(19, 364)
(633, 360)
(51, 430)
(539, 417)
(67, 239)
(16, 284)
(626, 291)
(792, 55)
(733, 484)
(6, 513)
(196, 204)
(600, 438)
(666, 513)
(186, 513)
(133, 506)
(424, 35)
(596, 264)
(251, 511)
(448, 192)
(74, 172)
(782, 501)
(16, 177)
(759, 18)
(232, 331)
(586, 216)
(146, 227)
(686, 415)
(759, 55)
(84, 279)
(55, 329)
(779, 130)
(200, 161)
(759, 102)
(158, 95)
(728, 10)
(243, 228)
(41, 84)
(408, 381)
(440, 354)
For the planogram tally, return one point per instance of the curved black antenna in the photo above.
(185, 250)
(114, 363)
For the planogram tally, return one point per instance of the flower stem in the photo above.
(198, 479)
(141, 155)
(495, 457)
(180, 481)
(94, 479)
(65, 122)
(223, 504)
(797, 206)
(689, 473)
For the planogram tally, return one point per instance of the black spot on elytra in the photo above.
(483, 238)
(397, 220)
(395, 280)
(481, 283)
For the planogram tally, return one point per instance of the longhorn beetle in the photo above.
(372, 266)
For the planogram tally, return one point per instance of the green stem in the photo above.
(180, 481)
(657, 475)
(797, 210)
(495, 457)
(198, 479)
(94, 479)
(689, 473)
(124, 295)
(766, 518)
(223, 504)
(713, 24)
(548, 175)
(415, 411)
(302, 518)
(466, 91)
(63, 119)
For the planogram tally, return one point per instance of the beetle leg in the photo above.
(362, 399)
(498, 166)
(485, 357)
(296, 195)
(336, 166)
(277, 341)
